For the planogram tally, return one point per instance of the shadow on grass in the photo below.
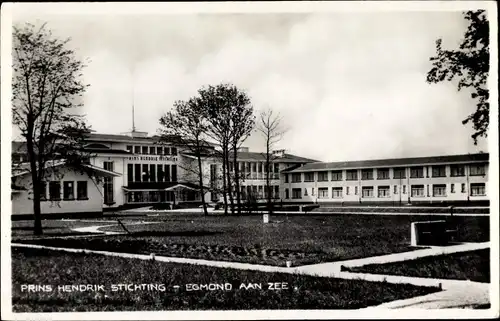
(167, 233)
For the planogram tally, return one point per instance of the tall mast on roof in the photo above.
(133, 98)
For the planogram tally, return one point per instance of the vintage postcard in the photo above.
(249, 160)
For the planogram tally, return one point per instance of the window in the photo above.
(166, 172)
(367, 174)
(259, 167)
(308, 177)
(174, 151)
(463, 187)
(322, 176)
(383, 173)
(130, 148)
(137, 149)
(438, 190)
(130, 173)
(416, 172)
(68, 191)
(145, 174)
(477, 189)
(166, 150)
(305, 191)
(404, 189)
(159, 150)
(438, 171)
(152, 150)
(296, 193)
(152, 172)
(55, 191)
(159, 172)
(399, 173)
(383, 191)
(457, 170)
(395, 189)
(477, 170)
(367, 191)
(347, 190)
(137, 172)
(286, 178)
(108, 184)
(81, 190)
(287, 194)
(254, 167)
(336, 175)
(417, 190)
(452, 188)
(336, 192)
(355, 190)
(296, 178)
(276, 191)
(276, 168)
(351, 175)
(323, 192)
(145, 150)
(174, 173)
(43, 191)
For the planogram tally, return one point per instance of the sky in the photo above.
(349, 85)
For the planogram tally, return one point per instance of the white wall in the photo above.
(22, 203)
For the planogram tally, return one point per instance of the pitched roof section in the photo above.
(260, 157)
(372, 163)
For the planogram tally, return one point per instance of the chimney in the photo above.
(243, 149)
(279, 153)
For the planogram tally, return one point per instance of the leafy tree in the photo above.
(230, 115)
(469, 66)
(188, 124)
(270, 127)
(45, 90)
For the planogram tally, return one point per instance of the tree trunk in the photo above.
(36, 181)
(224, 189)
(237, 178)
(229, 185)
(202, 189)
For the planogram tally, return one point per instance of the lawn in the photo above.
(473, 265)
(305, 239)
(52, 268)
(51, 228)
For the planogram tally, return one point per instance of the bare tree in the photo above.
(46, 88)
(270, 127)
(188, 124)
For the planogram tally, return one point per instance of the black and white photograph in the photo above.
(249, 160)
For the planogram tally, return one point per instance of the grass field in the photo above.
(303, 239)
(473, 265)
(53, 268)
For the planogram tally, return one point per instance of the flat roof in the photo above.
(260, 157)
(393, 162)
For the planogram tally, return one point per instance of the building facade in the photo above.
(140, 170)
(424, 180)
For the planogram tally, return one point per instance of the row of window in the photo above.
(68, 191)
(255, 167)
(152, 150)
(260, 191)
(151, 173)
(383, 173)
(438, 190)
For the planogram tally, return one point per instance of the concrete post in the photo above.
(414, 234)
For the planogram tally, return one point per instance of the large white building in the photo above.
(458, 179)
(139, 170)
